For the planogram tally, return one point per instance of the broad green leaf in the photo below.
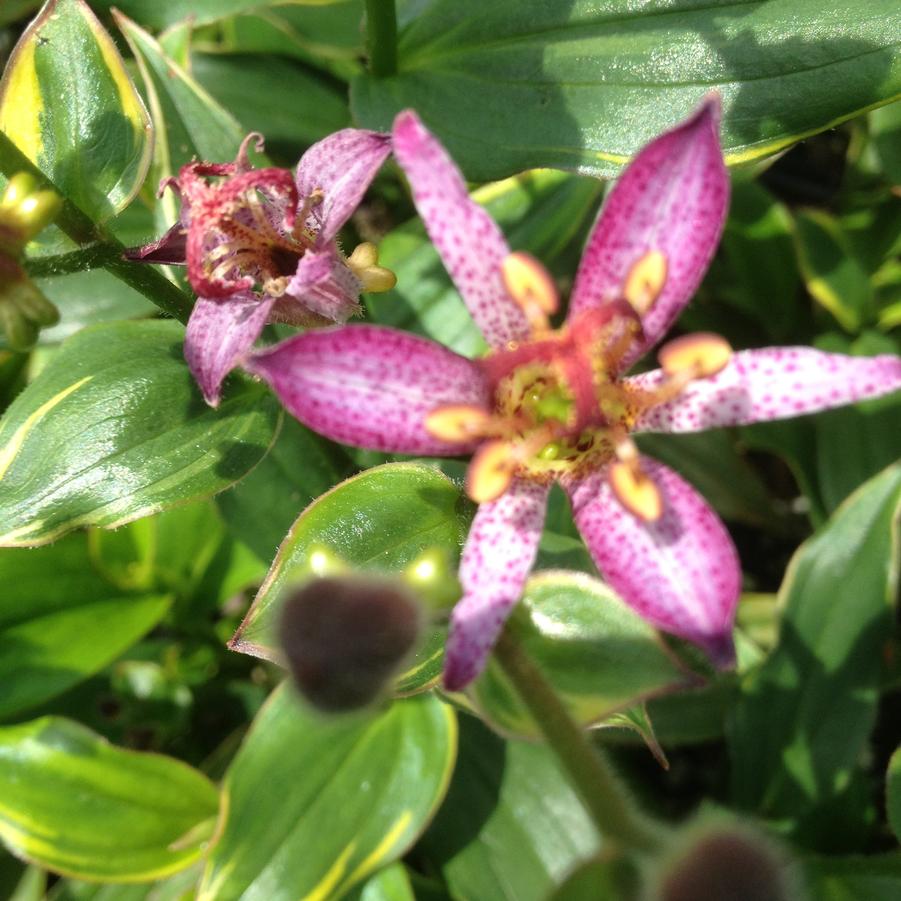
(260, 509)
(76, 805)
(885, 130)
(390, 884)
(178, 887)
(114, 429)
(582, 85)
(893, 793)
(68, 104)
(313, 805)
(325, 35)
(282, 100)
(598, 880)
(797, 732)
(599, 655)
(834, 277)
(157, 15)
(511, 827)
(872, 878)
(541, 212)
(62, 621)
(381, 519)
(16, 9)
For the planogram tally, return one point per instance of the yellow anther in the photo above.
(697, 356)
(460, 422)
(531, 286)
(363, 262)
(491, 471)
(645, 281)
(635, 490)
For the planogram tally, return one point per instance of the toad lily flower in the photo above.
(547, 405)
(260, 246)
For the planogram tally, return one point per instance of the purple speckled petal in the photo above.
(772, 383)
(468, 239)
(219, 333)
(370, 386)
(499, 553)
(170, 249)
(341, 166)
(680, 573)
(323, 284)
(672, 198)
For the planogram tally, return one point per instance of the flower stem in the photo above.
(608, 803)
(381, 40)
(99, 248)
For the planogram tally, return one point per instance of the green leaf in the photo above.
(68, 104)
(381, 519)
(599, 655)
(834, 277)
(157, 15)
(797, 732)
(582, 85)
(62, 621)
(260, 509)
(893, 793)
(391, 884)
(541, 212)
(511, 827)
(885, 131)
(76, 805)
(282, 100)
(313, 805)
(114, 429)
(875, 878)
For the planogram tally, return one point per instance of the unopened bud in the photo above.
(726, 862)
(23, 308)
(344, 637)
(24, 211)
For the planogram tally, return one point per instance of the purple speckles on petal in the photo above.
(672, 198)
(499, 553)
(219, 333)
(772, 383)
(680, 573)
(342, 167)
(370, 386)
(469, 241)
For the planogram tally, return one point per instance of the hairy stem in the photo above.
(608, 803)
(381, 37)
(100, 248)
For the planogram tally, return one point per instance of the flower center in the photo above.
(559, 404)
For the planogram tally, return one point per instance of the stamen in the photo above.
(363, 262)
(491, 471)
(645, 281)
(696, 356)
(460, 422)
(635, 490)
(532, 287)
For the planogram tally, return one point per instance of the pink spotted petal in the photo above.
(341, 166)
(370, 386)
(170, 249)
(219, 333)
(469, 241)
(499, 553)
(672, 198)
(772, 383)
(324, 285)
(681, 573)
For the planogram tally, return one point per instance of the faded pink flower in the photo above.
(548, 405)
(260, 246)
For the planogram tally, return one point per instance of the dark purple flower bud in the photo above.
(344, 637)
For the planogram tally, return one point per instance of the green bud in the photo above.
(34, 305)
(23, 308)
(24, 211)
(433, 579)
(38, 210)
(21, 332)
(17, 189)
(344, 638)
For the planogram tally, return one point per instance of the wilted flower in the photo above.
(260, 246)
(549, 405)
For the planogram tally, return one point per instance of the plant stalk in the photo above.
(381, 37)
(99, 248)
(608, 803)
